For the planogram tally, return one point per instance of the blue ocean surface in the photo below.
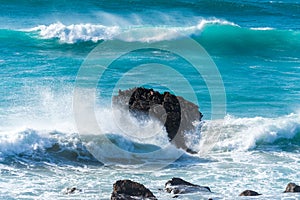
(51, 55)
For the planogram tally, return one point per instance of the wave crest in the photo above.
(228, 134)
(43, 145)
(76, 32)
(243, 134)
(96, 32)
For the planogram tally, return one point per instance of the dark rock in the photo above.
(129, 190)
(72, 190)
(180, 186)
(292, 187)
(249, 193)
(176, 113)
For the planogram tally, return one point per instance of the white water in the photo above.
(229, 134)
(95, 32)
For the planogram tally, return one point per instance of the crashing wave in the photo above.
(96, 32)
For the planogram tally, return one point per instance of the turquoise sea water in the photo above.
(255, 46)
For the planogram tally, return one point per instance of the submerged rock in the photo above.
(180, 186)
(130, 190)
(72, 190)
(249, 193)
(292, 187)
(176, 113)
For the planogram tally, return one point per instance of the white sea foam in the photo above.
(243, 134)
(51, 113)
(95, 32)
(26, 141)
(35, 143)
(262, 28)
(202, 23)
(229, 134)
(76, 32)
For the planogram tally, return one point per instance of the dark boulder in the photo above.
(180, 186)
(249, 193)
(292, 187)
(176, 113)
(129, 190)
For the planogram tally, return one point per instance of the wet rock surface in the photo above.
(129, 190)
(180, 186)
(176, 113)
(292, 187)
(249, 193)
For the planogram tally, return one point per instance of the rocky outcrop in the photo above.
(292, 187)
(176, 113)
(249, 193)
(180, 186)
(130, 190)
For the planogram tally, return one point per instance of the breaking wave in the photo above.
(228, 134)
(95, 32)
